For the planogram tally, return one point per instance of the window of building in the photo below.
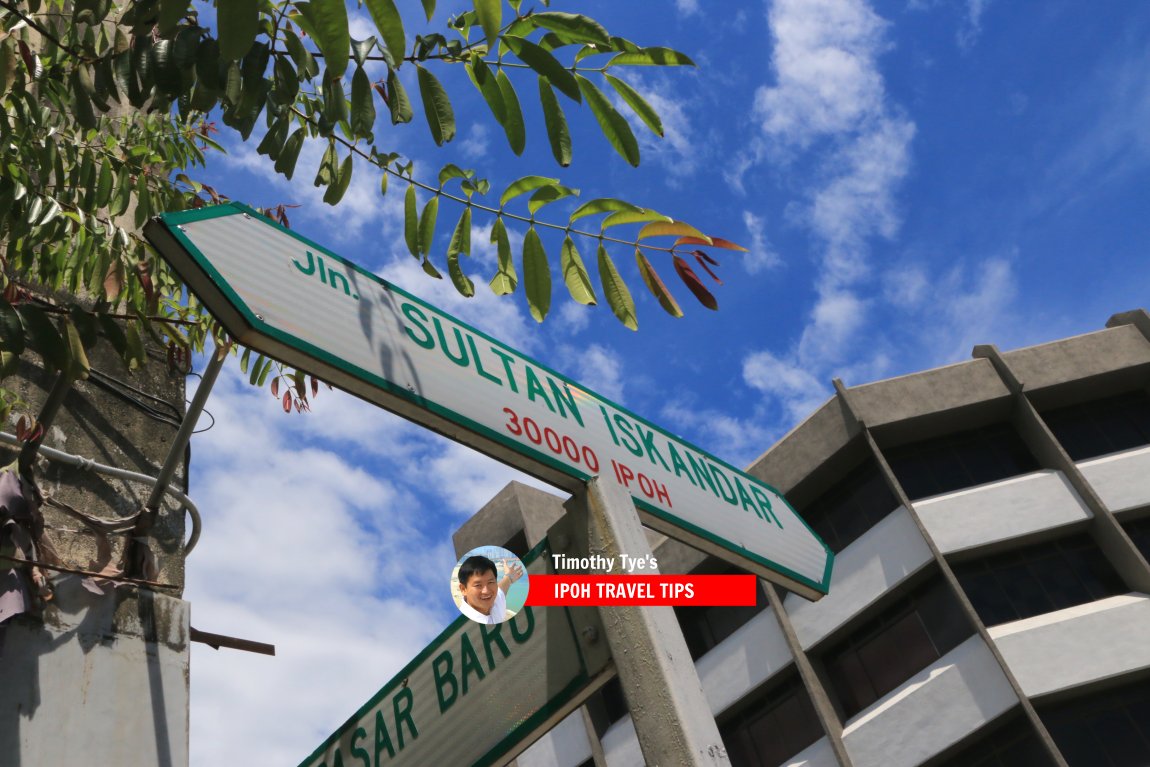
(1139, 532)
(705, 627)
(772, 729)
(850, 508)
(1110, 728)
(1014, 744)
(607, 706)
(891, 647)
(1103, 426)
(960, 460)
(1038, 579)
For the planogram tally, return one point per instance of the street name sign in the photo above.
(292, 299)
(478, 694)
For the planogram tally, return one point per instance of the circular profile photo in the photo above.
(489, 584)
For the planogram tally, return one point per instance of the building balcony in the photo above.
(1120, 479)
(754, 653)
(878, 561)
(1082, 644)
(1000, 511)
(953, 697)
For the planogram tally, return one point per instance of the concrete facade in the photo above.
(996, 684)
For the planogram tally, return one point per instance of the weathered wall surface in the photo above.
(101, 678)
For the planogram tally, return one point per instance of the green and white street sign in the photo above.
(477, 695)
(294, 300)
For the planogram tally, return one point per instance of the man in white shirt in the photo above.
(484, 598)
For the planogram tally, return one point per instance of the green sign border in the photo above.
(172, 222)
(501, 748)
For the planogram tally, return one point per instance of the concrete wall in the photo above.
(100, 679)
(743, 661)
(564, 744)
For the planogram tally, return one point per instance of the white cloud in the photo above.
(905, 286)
(763, 256)
(795, 388)
(687, 7)
(824, 60)
(474, 146)
(596, 366)
(971, 27)
(736, 440)
(679, 150)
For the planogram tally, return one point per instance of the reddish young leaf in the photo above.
(703, 258)
(300, 391)
(276, 387)
(717, 242)
(287, 401)
(314, 386)
(691, 280)
(21, 428)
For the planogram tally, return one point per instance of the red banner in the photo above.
(621, 590)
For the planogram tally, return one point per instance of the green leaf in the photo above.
(78, 366)
(114, 333)
(613, 125)
(304, 61)
(390, 24)
(430, 270)
(239, 23)
(411, 221)
(547, 195)
(256, 368)
(461, 243)
(245, 359)
(135, 357)
(361, 49)
(338, 188)
(575, 273)
(328, 170)
(602, 205)
(43, 337)
(450, 171)
(677, 228)
(513, 124)
(637, 103)
(573, 26)
(328, 19)
(545, 64)
(557, 132)
(427, 225)
(397, 100)
(11, 329)
(362, 105)
(658, 57)
(656, 286)
(632, 217)
(484, 81)
(436, 107)
(536, 276)
(618, 297)
(490, 13)
(288, 156)
(522, 185)
(428, 8)
(171, 11)
(505, 278)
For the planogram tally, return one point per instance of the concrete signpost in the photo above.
(477, 695)
(292, 299)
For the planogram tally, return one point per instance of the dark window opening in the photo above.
(1091, 429)
(964, 459)
(774, 728)
(517, 545)
(1139, 532)
(1014, 744)
(607, 706)
(850, 508)
(1038, 579)
(705, 627)
(896, 644)
(1110, 728)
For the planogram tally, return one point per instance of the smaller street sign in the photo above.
(477, 695)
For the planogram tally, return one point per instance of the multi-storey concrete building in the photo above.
(990, 603)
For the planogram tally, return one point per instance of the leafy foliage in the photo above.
(107, 107)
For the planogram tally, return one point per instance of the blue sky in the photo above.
(912, 178)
